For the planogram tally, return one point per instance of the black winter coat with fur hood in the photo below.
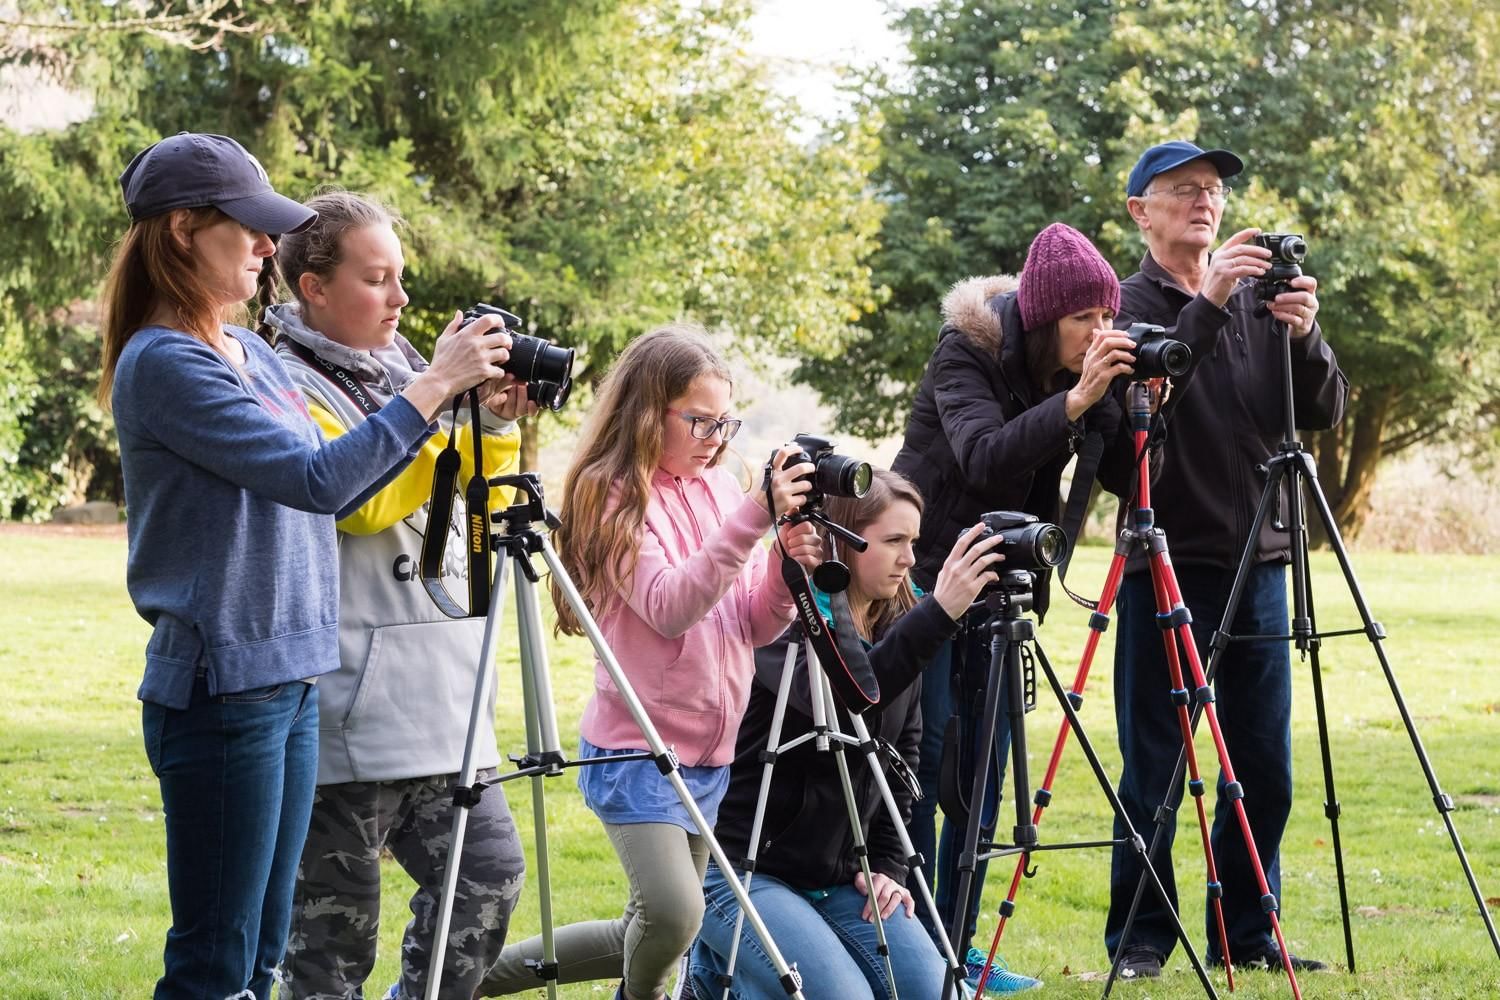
(982, 437)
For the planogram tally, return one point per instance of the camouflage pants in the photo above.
(336, 912)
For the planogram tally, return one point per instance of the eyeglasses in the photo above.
(1189, 192)
(704, 427)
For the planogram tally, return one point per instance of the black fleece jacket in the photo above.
(1227, 420)
(980, 438)
(805, 839)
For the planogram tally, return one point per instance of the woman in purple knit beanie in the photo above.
(1020, 374)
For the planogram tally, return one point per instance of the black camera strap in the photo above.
(842, 656)
(342, 378)
(476, 521)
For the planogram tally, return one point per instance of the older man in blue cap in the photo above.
(1226, 424)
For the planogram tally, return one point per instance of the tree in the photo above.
(598, 167)
(1367, 127)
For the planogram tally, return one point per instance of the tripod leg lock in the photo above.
(1268, 903)
(666, 761)
(1443, 801)
(1007, 908)
(1216, 890)
(1179, 696)
(1195, 788)
(1178, 617)
(1043, 797)
(1219, 641)
(1375, 631)
(792, 981)
(467, 796)
(916, 860)
(1332, 810)
(1075, 698)
(768, 756)
(1099, 622)
(1205, 695)
(545, 971)
(1235, 791)
(1163, 816)
(745, 865)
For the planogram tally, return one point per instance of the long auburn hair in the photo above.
(319, 249)
(609, 483)
(152, 268)
(886, 489)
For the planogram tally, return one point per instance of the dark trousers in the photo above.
(1254, 700)
(237, 774)
(968, 654)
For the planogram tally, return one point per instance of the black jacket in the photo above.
(1227, 420)
(980, 439)
(806, 840)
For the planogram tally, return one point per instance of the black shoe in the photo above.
(1141, 961)
(1270, 961)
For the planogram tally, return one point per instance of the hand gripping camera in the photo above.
(1156, 354)
(832, 475)
(546, 369)
(1288, 250)
(1028, 543)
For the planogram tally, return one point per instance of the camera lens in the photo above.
(1293, 249)
(1050, 544)
(551, 395)
(842, 476)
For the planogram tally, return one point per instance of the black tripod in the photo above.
(544, 757)
(1010, 634)
(1293, 468)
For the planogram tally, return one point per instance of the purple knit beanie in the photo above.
(1064, 274)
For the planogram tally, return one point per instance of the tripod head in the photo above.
(1012, 596)
(530, 505)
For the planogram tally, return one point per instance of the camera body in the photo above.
(1156, 354)
(833, 475)
(1029, 543)
(1288, 250)
(546, 369)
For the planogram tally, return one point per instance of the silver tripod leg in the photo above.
(823, 697)
(466, 774)
(543, 747)
(666, 762)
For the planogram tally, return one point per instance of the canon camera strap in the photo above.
(339, 376)
(842, 656)
(476, 521)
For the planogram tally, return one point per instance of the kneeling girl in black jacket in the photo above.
(808, 886)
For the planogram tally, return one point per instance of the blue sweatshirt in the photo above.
(230, 495)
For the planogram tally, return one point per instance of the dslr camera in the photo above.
(1156, 354)
(832, 475)
(1288, 250)
(1029, 543)
(546, 369)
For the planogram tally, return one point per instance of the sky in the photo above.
(804, 39)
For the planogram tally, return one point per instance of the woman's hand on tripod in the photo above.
(967, 569)
(801, 542)
(888, 893)
(788, 487)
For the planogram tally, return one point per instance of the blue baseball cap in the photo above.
(195, 170)
(1170, 155)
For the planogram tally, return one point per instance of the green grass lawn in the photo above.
(82, 875)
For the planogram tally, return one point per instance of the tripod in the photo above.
(827, 737)
(1010, 633)
(1292, 467)
(544, 756)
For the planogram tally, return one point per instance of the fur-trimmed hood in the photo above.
(966, 308)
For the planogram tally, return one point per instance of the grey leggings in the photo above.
(665, 865)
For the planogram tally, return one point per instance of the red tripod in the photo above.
(1176, 624)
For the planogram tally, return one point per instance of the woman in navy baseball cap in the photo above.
(231, 495)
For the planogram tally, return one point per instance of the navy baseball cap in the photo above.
(195, 170)
(1170, 155)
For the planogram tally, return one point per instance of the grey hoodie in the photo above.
(398, 706)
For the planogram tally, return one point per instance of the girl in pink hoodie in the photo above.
(665, 547)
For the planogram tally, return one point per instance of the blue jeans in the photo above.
(828, 941)
(237, 773)
(1254, 703)
(969, 653)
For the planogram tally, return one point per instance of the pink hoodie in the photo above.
(699, 601)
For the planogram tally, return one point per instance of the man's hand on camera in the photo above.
(1110, 354)
(1236, 259)
(788, 488)
(888, 893)
(969, 566)
(801, 542)
(1297, 309)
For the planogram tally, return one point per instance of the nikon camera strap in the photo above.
(476, 521)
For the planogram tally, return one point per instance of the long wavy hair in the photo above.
(609, 484)
(151, 268)
(886, 489)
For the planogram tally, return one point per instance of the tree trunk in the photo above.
(1365, 450)
(531, 446)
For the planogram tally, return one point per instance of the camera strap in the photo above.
(341, 377)
(1077, 507)
(842, 656)
(476, 521)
